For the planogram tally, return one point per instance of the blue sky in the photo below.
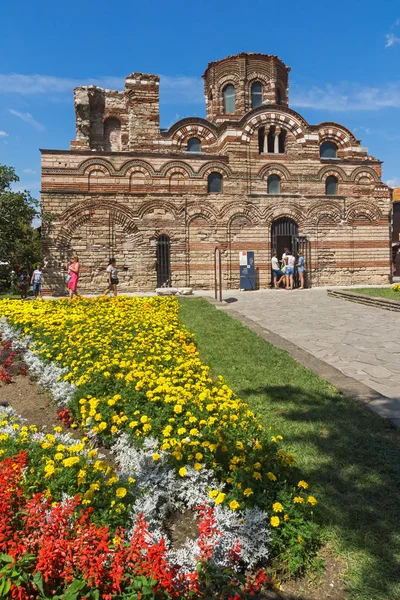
(344, 57)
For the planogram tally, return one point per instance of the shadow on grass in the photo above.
(350, 456)
(358, 480)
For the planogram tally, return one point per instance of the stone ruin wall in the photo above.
(124, 180)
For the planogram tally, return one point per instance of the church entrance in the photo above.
(284, 234)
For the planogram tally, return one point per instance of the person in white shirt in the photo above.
(278, 274)
(290, 262)
(112, 277)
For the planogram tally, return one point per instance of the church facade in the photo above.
(252, 176)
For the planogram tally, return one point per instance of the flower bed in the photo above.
(48, 550)
(131, 377)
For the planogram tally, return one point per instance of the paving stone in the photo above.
(361, 341)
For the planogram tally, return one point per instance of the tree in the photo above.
(18, 240)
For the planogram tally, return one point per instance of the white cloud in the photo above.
(391, 40)
(394, 182)
(3, 134)
(346, 97)
(173, 89)
(185, 90)
(181, 89)
(29, 171)
(15, 83)
(27, 117)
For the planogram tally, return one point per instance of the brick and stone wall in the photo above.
(123, 182)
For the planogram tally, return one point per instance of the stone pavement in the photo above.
(361, 342)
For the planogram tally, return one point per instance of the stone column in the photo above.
(276, 140)
(266, 131)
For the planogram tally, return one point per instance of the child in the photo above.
(112, 277)
(36, 281)
(300, 269)
(23, 283)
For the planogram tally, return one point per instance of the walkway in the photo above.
(361, 342)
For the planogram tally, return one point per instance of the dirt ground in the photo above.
(30, 401)
(34, 404)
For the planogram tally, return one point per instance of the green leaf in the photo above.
(38, 581)
(6, 558)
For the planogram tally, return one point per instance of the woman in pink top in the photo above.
(73, 272)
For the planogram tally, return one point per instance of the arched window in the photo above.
(328, 150)
(112, 135)
(229, 99)
(193, 145)
(278, 96)
(274, 184)
(331, 184)
(256, 94)
(214, 183)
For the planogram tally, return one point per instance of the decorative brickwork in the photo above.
(124, 182)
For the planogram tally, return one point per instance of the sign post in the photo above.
(217, 274)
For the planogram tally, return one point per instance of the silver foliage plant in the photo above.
(163, 493)
(160, 491)
(49, 375)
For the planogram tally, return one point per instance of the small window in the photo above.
(274, 184)
(328, 150)
(331, 185)
(194, 145)
(256, 94)
(229, 99)
(278, 96)
(214, 185)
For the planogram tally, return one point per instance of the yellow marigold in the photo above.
(303, 484)
(275, 521)
(220, 498)
(271, 476)
(120, 492)
(298, 500)
(213, 494)
(233, 505)
(197, 466)
(277, 507)
(311, 500)
(103, 426)
(144, 419)
(286, 517)
(71, 461)
(257, 475)
(182, 471)
(248, 492)
(156, 456)
(178, 409)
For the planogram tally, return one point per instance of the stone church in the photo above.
(252, 176)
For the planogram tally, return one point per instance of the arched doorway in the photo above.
(163, 261)
(284, 234)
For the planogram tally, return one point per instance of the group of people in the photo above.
(73, 274)
(25, 280)
(284, 270)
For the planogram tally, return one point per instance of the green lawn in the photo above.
(382, 292)
(350, 457)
